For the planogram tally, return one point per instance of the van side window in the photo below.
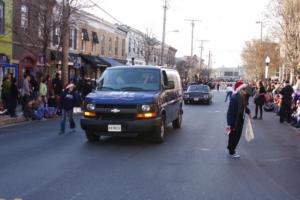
(165, 78)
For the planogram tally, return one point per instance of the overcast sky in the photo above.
(226, 23)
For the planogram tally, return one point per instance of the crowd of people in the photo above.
(274, 96)
(42, 99)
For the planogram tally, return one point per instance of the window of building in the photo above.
(24, 16)
(116, 46)
(73, 38)
(129, 46)
(95, 41)
(2, 17)
(102, 45)
(123, 47)
(110, 45)
(134, 46)
(55, 39)
(84, 38)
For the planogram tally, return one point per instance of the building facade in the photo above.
(228, 74)
(6, 52)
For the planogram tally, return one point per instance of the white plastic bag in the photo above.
(249, 135)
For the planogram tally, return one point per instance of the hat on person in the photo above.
(69, 85)
(239, 86)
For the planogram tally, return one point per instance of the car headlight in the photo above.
(206, 96)
(91, 106)
(146, 108)
(186, 96)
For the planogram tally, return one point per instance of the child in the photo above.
(277, 102)
(67, 103)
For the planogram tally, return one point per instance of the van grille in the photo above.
(120, 106)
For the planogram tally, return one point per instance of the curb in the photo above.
(9, 121)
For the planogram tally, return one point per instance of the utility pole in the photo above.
(201, 51)
(209, 65)
(65, 40)
(193, 26)
(164, 32)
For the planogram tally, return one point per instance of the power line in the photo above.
(106, 12)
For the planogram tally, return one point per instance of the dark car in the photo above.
(198, 93)
(131, 101)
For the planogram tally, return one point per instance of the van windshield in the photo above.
(129, 80)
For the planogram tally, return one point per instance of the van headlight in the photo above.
(206, 96)
(146, 108)
(91, 106)
(187, 96)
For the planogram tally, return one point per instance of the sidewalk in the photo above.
(7, 120)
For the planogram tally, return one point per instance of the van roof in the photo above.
(139, 67)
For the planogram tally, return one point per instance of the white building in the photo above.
(224, 73)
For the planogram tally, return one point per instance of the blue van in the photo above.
(134, 100)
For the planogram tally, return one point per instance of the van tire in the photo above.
(177, 122)
(159, 133)
(91, 136)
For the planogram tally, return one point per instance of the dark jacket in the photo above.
(57, 86)
(68, 100)
(287, 93)
(234, 113)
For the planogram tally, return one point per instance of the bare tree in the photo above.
(150, 44)
(253, 54)
(285, 15)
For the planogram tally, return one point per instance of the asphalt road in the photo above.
(37, 163)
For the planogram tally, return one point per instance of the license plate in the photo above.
(196, 99)
(114, 128)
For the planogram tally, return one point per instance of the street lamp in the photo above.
(267, 61)
(261, 40)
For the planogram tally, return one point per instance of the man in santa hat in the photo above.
(236, 115)
(68, 101)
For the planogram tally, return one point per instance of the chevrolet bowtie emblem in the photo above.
(115, 110)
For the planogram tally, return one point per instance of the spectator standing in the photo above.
(286, 103)
(259, 100)
(26, 91)
(6, 90)
(67, 103)
(43, 90)
(13, 98)
(57, 88)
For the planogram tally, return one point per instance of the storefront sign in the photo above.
(9, 69)
(77, 62)
(41, 60)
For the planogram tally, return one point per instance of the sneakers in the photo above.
(235, 155)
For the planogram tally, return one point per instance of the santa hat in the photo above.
(68, 85)
(239, 86)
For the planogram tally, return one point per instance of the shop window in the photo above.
(2, 17)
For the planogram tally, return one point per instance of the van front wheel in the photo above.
(159, 134)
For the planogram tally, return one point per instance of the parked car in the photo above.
(198, 93)
(131, 101)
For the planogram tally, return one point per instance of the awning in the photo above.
(112, 62)
(94, 61)
(97, 61)
(57, 55)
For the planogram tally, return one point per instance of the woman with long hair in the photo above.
(259, 100)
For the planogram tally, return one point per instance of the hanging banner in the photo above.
(10, 69)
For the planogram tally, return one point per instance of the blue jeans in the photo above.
(65, 114)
